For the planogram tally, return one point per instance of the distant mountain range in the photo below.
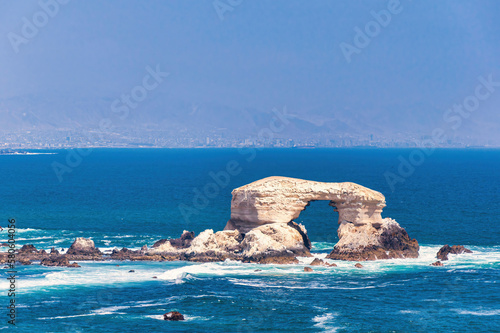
(179, 117)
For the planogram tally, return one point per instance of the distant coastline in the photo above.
(22, 152)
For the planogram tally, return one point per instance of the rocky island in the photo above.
(261, 229)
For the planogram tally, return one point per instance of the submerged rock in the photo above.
(173, 315)
(358, 265)
(437, 263)
(455, 249)
(308, 269)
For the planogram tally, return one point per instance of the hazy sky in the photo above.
(258, 54)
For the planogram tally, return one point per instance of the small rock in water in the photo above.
(308, 269)
(83, 246)
(317, 262)
(437, 263)
(258, 270)
(131, 271)
(358, 265)
(74, 265)
(455, 249)
(173, 315)
(155, 277)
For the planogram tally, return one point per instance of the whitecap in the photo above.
(478, 313)
(325, 322)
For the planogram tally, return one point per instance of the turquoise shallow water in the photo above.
(131, 198)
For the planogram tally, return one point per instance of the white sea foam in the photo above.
(33, 238)
(325, 322)
(98, 312)
(98, 273)
(158, 317)
(311, 285)
(478, 312)
(110, 310)
(93, 273)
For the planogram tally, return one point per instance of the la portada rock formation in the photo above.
(262, 228)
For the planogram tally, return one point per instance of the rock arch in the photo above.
(363, 233)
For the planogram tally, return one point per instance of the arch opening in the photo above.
(320, 218)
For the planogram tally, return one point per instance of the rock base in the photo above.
(385, 240)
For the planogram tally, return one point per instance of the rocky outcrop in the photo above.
(261, 229)
(319, 262)
(57, 261)
(28, 248)
(363, 233)
(455, 249)
(83, 247)
(437, 263)
(281, 199)
(178, 243)
(173, 315)
(277, 243)
(384, 240)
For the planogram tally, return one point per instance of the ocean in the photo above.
(134, 197)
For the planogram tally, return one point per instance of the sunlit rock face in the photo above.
(281, 199)
(363, 233)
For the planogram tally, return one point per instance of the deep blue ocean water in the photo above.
(126, 197)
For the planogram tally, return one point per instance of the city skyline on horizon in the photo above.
(369, 72)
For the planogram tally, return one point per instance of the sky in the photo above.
(233, 56)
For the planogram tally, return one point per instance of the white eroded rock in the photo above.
(281, 199)
(278, 237)
(83, 246)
